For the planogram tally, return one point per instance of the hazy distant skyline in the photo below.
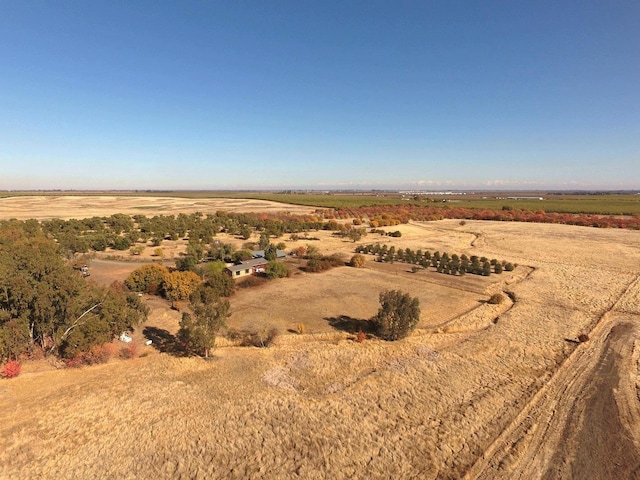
(320, 95)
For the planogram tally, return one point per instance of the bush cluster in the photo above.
(251, 281)
(129, 351)
(325, 262)
(11, 369)
(395, 234)
(252, 337)
(96, 355)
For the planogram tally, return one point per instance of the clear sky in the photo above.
(319, 94)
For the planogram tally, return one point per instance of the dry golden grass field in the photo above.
(478, 391)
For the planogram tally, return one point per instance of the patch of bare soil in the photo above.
(501, 394)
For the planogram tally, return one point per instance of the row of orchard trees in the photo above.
(123, 232)
(389, 215)
(442, 262)
(47, 307)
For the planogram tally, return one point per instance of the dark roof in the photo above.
(260, 254)
(254, 262)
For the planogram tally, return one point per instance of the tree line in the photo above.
(390, 215)
(453, 264)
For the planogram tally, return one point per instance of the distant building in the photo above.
(257, 264)
(248, 267)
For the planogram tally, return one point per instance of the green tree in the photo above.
(45, 304)
(14, 338)
(198, 331)
(276, 269)
(486, 269)
(398, 315)
(111, 311)
(245, 232)
(355, 234)
(222, 284)
(186, 263)
(264, 241)
(271, 252)
(209, 269)
(121, 243)
(241, 255)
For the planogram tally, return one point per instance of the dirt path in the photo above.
(583, 423)
(597, 444)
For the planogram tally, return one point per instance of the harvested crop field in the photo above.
(495, 393)
(82, 206)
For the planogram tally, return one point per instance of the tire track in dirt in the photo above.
(573, 426)
(597, 444)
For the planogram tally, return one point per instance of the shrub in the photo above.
(276, 269)
(254, 338)
(496, 299)
(325, 262)
(357, 261)
(251, 281)
(128, 351)
(361, 336)
(583, 337)
(314, 265)
(301, 251)
(300, 328)
(11, 369)
(121, 243)
(98, 354)
(75, 362)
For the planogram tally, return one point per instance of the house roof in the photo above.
(254, 262)
(260, 254)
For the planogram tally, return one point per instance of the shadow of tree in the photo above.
(164, 342)
(349, 324)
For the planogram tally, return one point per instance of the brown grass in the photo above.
(321, 405)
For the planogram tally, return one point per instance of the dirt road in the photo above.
(584, 424)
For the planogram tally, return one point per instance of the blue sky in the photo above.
(302, 94)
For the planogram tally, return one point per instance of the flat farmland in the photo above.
(495, 392)
(79, 206)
